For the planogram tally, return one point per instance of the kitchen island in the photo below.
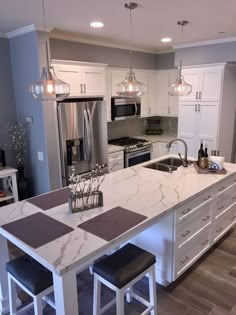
(162, 197)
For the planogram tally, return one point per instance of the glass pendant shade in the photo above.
(180, 87)
(130, 87)
(49, 87)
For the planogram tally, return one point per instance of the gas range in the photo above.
(132, 144)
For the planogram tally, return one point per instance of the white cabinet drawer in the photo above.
(116, 155)
(190, 207)
(224, 202)
(116, 161)
(221, 226)
(190, 252)
(224, 185)
(193, 225)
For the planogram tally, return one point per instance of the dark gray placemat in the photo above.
(52, 199)
(37, 229)
(112, 223)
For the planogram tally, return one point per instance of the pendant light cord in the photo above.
(45, 34)
(130, 38)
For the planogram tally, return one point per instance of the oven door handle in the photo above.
(138, 153)
(136, 109)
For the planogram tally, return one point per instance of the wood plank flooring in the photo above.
(207, 288)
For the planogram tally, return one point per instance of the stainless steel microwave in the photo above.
(125, 108)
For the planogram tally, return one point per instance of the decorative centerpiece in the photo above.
(85, 194)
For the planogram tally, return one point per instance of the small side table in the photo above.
(8, 177)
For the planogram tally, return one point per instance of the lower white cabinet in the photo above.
(189, 230)
(155, 150)
(116, 161)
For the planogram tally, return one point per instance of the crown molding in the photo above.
(206, 42)
(79, 39)
(21, 31)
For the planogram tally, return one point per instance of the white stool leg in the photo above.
(152, 290)
(120, 302)
(38, 307)
(12, 295)
(96, 296)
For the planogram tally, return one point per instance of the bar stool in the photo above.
(33, 278)
(120, 271)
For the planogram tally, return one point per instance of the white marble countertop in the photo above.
(114, 148)
(139, 189)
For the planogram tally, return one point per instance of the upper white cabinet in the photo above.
(206, 84)
(166, 105)
(84, 79)
(208, 113)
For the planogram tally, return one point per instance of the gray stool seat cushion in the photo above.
(124, 265)
(30, 273)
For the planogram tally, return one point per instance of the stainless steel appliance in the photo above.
(125, 108)
(83, 136)
(136, 150)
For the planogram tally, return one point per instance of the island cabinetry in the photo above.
(224, 210)
(85, 79)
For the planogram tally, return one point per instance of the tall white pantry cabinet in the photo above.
(208, 113)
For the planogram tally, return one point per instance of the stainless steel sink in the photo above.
(171, 161)
(161, 167)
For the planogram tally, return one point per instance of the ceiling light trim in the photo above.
(21, 31)
(206, 42)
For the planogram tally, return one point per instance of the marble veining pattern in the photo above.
(145, 191)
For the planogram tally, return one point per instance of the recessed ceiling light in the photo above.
(166, 40)
(96, 24)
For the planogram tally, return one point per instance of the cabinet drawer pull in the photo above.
(195, 107)
(221, 207)
(207, 198)
(200, 95)
(219, 230)
(234, 197)
(186, 233)
(185, 260)
(206, 218)
(204, 242)
(222, 188)
(196, 95)
(186, 211)
(234, 217)
(84, 88)
(81, 88)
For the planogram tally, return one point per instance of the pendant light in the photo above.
(130, 87)
(180, 87)
(48, 87)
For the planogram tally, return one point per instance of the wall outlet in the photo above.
(29, 119)
(40, 156)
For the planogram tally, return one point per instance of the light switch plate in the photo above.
(40, 156)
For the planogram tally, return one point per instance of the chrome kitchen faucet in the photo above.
(185, 159)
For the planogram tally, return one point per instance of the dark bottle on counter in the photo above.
(201, 152)
(205, 152)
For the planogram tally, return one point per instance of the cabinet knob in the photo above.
(205, 242)
(206, 218)
(184, 260)
(186, 233)
(186, 211)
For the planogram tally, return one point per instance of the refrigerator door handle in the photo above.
(90, 139)
(85, 142)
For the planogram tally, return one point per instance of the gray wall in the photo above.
(7, 103)
(225, 52)
(114, 57)
(166, 61)
(25, 69)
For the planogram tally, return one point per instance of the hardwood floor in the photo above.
(207, 288)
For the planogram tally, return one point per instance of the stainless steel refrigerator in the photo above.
(83, 136)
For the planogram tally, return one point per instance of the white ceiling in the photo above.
(152, 20)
